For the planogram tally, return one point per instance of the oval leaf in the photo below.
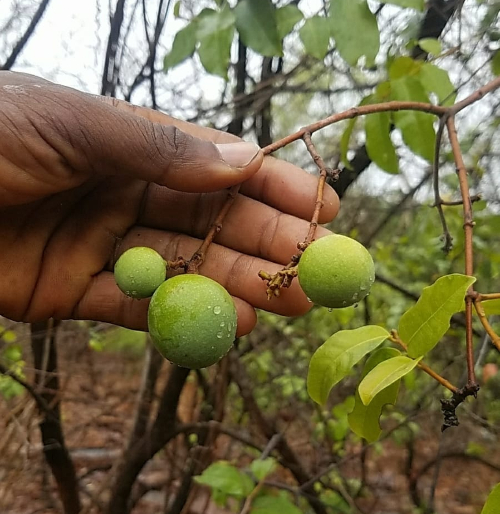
(286, 18)
(315, 35)
(335, 358)
(378, 142)
(257, 25)
(215, 51)
(436, 80)
(430, 45)
(183, 46)
(416, 127)
(223, 477)
(355, 30)
(422, 326)
(491, 307)
(261, 468)
(364, 419)
(492, 505)
(267, 504)
(383, 375)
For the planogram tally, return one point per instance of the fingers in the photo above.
(251, 227)
(278, 183)
(103, 301)
(290, 189)
(236, 271)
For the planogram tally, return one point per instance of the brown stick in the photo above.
(468, 230)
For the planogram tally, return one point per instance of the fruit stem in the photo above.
(199, 256)
(323, 173)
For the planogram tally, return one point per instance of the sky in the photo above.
(69, 44)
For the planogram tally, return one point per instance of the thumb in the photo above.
(113, 141)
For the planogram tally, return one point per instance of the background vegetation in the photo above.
(94, 421)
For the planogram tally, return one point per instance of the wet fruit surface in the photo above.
(140, 271)
(336, 271)
(192, 321)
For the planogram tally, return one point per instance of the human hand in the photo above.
(83, 178)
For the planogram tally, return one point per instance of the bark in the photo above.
(19, 46)
(56, 454)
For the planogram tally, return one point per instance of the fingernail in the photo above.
(238, 155)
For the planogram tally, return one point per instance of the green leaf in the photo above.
(183, 46)
(404, 67)
(12, 353)
(412, 4)
(273, 505)
(215, 52)
(491, 307)
(378, 142)
(492, 505)
(335, 358)
(210, 22)
(315, 35)
(261, 468)
(423, 325)
(227, 479)
(383, 375)
(9, 336)
(364, 419)
(346, 136)
(416, 127)
(495, 63)
(215, 31)
(286, 18)
(355, 30)
(436, 80)
(177, 8)
(256, 22)
(430, 45)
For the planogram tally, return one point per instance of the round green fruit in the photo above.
(192, 321)
(336, 271)
(140, 271)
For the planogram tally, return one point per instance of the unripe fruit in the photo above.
(336, 271)
(140, 271)
(192, 321)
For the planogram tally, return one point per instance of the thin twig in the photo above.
(436, 376)
(323, 173)
(468, 229)
(438, 202)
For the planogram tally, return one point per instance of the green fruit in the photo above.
(336, 271)
(140, 271)
(192, 321)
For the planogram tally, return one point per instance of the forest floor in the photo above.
(100, 390)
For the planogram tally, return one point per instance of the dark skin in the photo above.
(83, 178)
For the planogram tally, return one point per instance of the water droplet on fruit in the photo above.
(222, 323)
(219, 335)
(217, 309)
(330, 310)
(362, 288)
(309, 300)
(344, 303)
